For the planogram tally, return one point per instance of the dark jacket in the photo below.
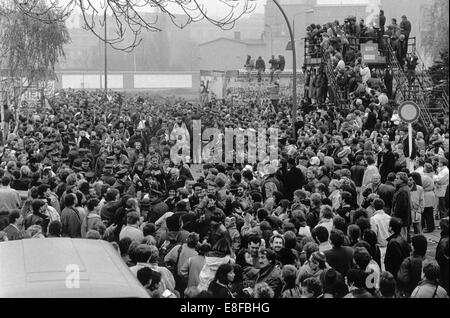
(386, 192)
(260, 65)
(219, 290)
(21, 184)
(397, 250)
(272, 276)
(443, 262)
(294, 179)
(406, 148)
(108, 211)
(405, 28)
(357, 174)
(157, 210)
(273, 178)
(340, 258)
(410, 274)
(388, 165)
(401, 204)
(71, 222)
(382, 21)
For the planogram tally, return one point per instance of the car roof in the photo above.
(46, 267)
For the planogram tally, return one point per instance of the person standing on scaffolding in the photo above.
(405, 29)
(382, 21)
(260, 67)
(273, 67)
(411, 63)
(281, 64)
(249, 66)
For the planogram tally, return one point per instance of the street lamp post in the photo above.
(106, 55)
(294, 69)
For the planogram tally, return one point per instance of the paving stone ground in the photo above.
(433, 240)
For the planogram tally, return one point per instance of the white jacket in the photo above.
(441, 182)
(209, 270)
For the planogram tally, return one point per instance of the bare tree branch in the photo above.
(128, 19)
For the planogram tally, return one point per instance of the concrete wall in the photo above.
(185, 84)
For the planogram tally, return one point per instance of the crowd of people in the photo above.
(340, 208)
(341, 213)
(339, 45)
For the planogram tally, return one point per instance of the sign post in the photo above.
(409, 112)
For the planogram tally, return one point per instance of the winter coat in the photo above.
(443, 262)
(182, 256)
(208, 272)
(191, 269)
(341, 259)
(441, 182)
(108, 211)
(89, 223)
(410, 274)
(260, 65)
(71, 222)
(417, 203)
(429, 197)
(272, 276)
(428, 289)
(397, 250)
(157, 210)
(294, 179)
(219, 290)
(368, 175)
(388, 165)
(401, 204)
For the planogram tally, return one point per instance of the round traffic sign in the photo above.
(409, 112)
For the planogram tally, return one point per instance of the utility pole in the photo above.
(106, 54)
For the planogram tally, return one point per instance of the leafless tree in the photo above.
(29, 48)
(129, 20)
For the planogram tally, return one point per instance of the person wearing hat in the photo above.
(401, 202)
(123, 183)
(85, 165)
(107, 175)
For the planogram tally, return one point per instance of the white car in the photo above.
(65, 268)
